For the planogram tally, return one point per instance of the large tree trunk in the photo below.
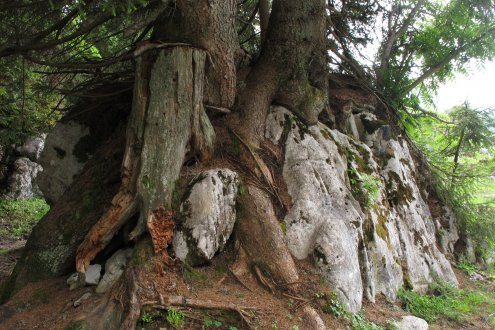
(190, 62)
(168, 92)
(210, 25)
(291, 69)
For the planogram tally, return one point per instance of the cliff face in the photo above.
(357, 207)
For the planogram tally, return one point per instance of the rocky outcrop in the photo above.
(32, 148)
(21, 183)
(366, 237)
(18, 169)
(207, 216)
(59, 161)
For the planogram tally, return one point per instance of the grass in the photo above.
(445, 301)
(485, 192)
(17, 217)
(334, 307)
(175, 318)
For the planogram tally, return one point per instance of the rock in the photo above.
(76, 281)
(476, 277)
(84, 297)
(447, 229)
(58, 160)
(92, 274)
(114, 268)
(325, 219)
(411, 323)
(209, 215)
(411, 229)
(32, 148)
(21, 184)
(364, 246)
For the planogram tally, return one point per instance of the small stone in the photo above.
(79, 301)
(93, 274)
(114, 268)
(476, 277)
(76, 281)
(410, 322)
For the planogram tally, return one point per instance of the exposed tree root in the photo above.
(262, 238)
(167, 302)
(122, 208)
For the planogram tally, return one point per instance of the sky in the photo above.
(477, 87)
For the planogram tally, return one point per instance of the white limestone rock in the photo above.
(325, 219)
(22, 184)
(415, 241)
(114, 268)
(410, 322)
(360, 249)
(208, 215)
(92, 274)
(59, 163)
(32, 148)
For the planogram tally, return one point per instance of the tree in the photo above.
(472, 131)
(182, 57)
(421, 43)
(189, 40)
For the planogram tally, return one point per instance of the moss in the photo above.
(142, 253)
(381, 228)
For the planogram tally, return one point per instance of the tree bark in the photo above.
(291, 69)
(167, 100)
(210, 25)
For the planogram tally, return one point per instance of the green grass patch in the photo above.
(445, 301)
(485, 192)
(355, 321)
(17, 217)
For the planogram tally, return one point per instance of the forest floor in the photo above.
(50, 304)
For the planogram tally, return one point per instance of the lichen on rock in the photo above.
(207, 216)
(361, 250)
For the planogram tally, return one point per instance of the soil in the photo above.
(50, 304)
(10, 251)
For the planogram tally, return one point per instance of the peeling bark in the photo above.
(167, 101)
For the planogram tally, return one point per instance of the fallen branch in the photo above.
(166, 303)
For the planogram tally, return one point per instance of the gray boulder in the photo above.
(208, 216)
(93, 274)
(75, 281)
(32, 148)
(114, 268)
(21, 183)
(411, 323)
(58, 160)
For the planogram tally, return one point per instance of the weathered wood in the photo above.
(167, 104)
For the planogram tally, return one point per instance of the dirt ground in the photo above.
(50, 304)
